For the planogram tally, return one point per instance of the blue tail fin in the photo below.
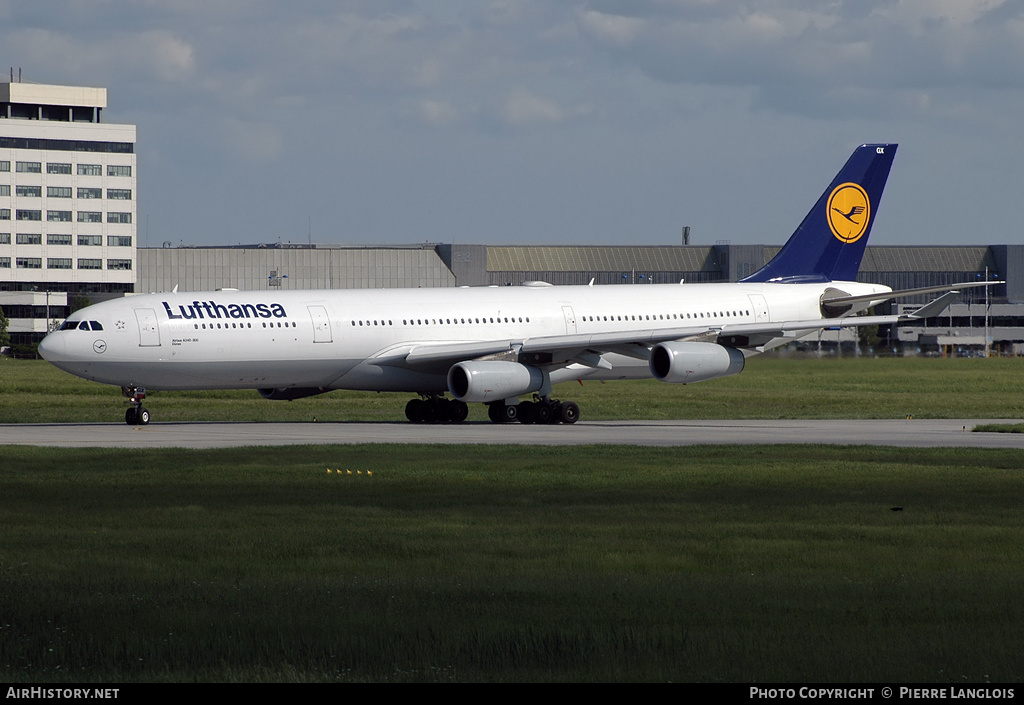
(830, 242)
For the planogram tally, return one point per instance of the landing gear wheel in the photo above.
(527, 412)
(546, 411)
(493, 412)
(542, 412)
(430, 411)
(497, 412)
(413, 410)
(569, 412)
(136, 416)
(436, 409)
(458, 411)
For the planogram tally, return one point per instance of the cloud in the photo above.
(148, 56)
(681, 91)
(253, 142)
(614, 30)
(821, 50)
(521, 107)
(172, 58)
(438, 113)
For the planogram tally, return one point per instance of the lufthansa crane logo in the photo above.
(848, 212)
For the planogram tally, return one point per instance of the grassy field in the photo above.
(795, 564)
(770, 388)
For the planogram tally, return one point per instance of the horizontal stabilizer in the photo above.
(935, 307)
(902, 293)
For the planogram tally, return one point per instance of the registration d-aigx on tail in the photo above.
(491, 345)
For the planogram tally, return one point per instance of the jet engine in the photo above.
(290, 393)
(682, 363)
(491, 380)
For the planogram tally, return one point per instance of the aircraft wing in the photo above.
(587, 348)
(563, 349)
(560, 347)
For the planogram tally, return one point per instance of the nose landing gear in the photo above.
(136, 414)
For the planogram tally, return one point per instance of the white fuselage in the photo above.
(359, 339)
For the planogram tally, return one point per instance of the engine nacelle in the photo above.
(290, 393)
(682, 363)
(491, 380)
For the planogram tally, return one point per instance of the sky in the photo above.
(533, 122)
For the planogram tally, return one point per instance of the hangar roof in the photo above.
(571, 258)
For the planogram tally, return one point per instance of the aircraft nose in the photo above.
(53, 347)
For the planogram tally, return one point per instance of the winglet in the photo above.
(830, 242)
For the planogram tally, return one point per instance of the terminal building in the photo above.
(67, 204)
(67, 238)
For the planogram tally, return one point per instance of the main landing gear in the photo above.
(436, 409)
(136, 414)
(539, 410)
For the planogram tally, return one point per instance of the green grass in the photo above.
(517, 563)
(770, 388)
(507, 563)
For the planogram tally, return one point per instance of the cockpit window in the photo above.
(81, 325)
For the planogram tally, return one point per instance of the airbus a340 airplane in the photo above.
(490, 344)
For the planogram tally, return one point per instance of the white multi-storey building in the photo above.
(67, 204)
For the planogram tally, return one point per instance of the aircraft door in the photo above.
(760, 308)
(321, 324)
(149, 329)
(570, 320)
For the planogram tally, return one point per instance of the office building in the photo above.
(67, 204)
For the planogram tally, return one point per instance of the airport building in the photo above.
(67, 204)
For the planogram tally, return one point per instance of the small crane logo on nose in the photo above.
(100, 346)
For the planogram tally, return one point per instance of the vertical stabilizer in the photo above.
(830, 242)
